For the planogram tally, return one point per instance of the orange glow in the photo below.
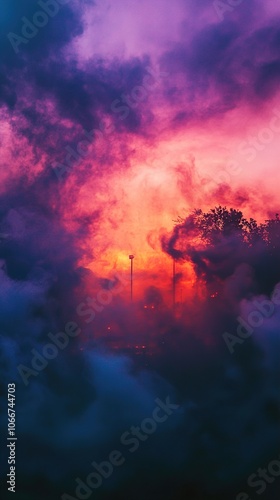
(137, 206)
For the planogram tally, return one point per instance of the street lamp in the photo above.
(131, 257)
(174, 285)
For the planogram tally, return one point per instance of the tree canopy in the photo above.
(219, 240)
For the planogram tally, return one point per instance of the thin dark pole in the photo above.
(174, 285)
(131, 280)
(131, 257)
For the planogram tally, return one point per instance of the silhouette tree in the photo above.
(218, 241)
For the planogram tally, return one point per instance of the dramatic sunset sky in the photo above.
(180, 145)
(117, 117)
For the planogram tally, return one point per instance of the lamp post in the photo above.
(174, 285)
(131, 257)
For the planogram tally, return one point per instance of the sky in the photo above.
(195, 136)
(117, 117)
